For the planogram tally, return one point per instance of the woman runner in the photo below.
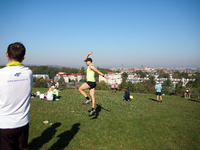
(91, 83)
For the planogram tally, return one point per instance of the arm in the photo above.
(95, 69)
(88, 55)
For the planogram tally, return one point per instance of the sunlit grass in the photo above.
(141, 123)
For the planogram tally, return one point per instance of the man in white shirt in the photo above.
(15, 94)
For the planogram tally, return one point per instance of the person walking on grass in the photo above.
(158, 88)
(15, 94)
(91, 83)
(116, 88)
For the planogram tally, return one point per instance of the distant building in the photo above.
(44, 76)
(114, 78)
(69, 77)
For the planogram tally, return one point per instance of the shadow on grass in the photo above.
(59, 97)
(45, 137)
(98, 109)
(65, 138)
(194, 100)
(153, 99)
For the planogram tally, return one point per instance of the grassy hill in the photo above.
(141, 123)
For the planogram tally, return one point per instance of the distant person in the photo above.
(158, 88)
(116, 87)
(33, 95)
(56, 80)
(56, 93)
(112, 87)
(91, 83)
(126, 95)
(15, 94)
(187, 91)
(50, 95)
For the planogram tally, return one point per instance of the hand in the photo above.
(90, 53)
(106, 77)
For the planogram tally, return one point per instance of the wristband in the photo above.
(102, 75)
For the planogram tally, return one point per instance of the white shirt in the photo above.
(15, 94)
(50, 95)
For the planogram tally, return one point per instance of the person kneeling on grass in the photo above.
(126, 95)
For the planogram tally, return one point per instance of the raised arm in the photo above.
(86, 57)
(100, 73)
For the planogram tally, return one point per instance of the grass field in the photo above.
(141, 123)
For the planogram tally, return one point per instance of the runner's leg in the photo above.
(92, 91)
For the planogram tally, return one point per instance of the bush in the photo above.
(102, 86)
(166, 91)
(40, 83)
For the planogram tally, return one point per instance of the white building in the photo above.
(44, 76)
(113, 78)
(69, 77)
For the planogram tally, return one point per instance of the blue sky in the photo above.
(152, 33)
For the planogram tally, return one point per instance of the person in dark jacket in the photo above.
(126, 95)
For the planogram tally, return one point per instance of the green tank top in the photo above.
(90, 75)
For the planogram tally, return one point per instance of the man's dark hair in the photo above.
(16, 51)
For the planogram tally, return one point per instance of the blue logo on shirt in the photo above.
(17, 74)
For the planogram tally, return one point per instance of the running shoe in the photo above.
(87, 102)
(92, 113)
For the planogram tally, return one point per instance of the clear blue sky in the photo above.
(154, 33)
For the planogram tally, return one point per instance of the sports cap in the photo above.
(53, 87)
(88, 59)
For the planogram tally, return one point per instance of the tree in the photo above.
(62, 83)
(40, 83)
(142, 74)
(124, 75)
(129, 86)
(102, 86)
(82, 70)
(167, 82)
(196, 83)
(139, 87)
(179, 89)
(152, 80)
(164, 75)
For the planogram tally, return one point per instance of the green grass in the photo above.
(139, 124)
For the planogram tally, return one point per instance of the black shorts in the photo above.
(158, 93)
(91, 84)
(16, 138)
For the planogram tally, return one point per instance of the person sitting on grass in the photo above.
(50, 95)
(56, 93)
